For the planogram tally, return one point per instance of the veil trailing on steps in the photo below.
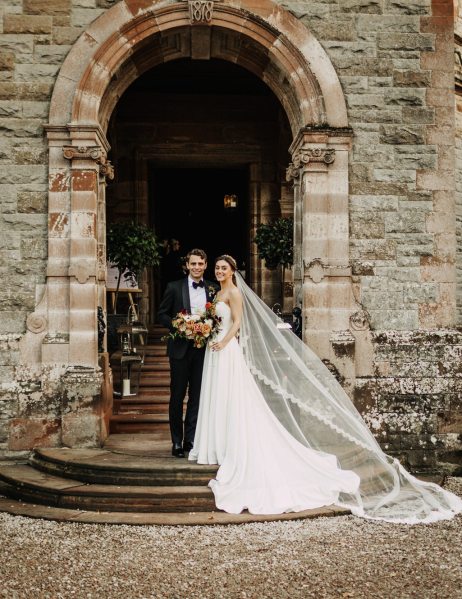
(313, 407)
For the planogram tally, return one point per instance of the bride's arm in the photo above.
(235, 303)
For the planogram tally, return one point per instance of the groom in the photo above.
(186, 361)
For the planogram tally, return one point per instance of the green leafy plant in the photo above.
(275, 244)
(131, 247)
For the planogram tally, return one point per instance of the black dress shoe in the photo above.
(177, 450)
(187, 446)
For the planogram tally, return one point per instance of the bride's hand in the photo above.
(217, 345)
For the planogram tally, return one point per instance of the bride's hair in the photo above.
(231, 261)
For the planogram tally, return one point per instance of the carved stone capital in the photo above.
(360, 320)
(305, 155)
(292, 173)
(200, 11)
(95, 153)
(106, 170)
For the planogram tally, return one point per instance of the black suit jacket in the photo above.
(175, 299)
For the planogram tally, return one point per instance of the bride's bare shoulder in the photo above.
(235, 294)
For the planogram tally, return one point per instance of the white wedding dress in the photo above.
(263, 468)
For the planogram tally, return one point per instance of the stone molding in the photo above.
(83, 94)
(82, 270)
(342, 338)
(316, 270)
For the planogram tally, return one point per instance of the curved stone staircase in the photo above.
(133, 479)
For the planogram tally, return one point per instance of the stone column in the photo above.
(320, 167)
(83, 252)
(82, 402)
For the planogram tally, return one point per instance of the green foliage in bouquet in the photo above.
(131, 247)
(275, 242)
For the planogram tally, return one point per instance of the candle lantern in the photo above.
(132, 339)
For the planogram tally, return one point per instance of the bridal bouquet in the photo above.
(198, 328)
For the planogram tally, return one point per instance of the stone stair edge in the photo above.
(35, 480)
(152, 464)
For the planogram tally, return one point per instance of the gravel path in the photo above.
(342, 557)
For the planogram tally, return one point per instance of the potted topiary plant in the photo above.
(275, 244)
(130, 248)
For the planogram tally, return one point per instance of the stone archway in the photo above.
(118, 47)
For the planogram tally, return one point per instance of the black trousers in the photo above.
(184, 373)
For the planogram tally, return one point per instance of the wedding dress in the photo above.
(262, 467)
(288, 438)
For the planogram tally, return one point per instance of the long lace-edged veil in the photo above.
(313, 407)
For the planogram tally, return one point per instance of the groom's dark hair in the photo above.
(196, 252)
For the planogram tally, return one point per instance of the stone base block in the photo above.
(81, 430)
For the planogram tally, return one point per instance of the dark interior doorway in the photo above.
(185, 134)
(188, 204)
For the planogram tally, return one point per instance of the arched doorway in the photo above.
(120, 46)
(186, 134)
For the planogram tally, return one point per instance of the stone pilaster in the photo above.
(87, 154)
(320, 168)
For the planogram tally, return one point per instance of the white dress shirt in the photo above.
(197, 297)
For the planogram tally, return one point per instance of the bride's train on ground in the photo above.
(287, 436)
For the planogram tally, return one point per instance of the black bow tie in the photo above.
(196, 285)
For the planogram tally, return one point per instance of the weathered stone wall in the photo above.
(395, 62)
(413, 399)
(395, 65)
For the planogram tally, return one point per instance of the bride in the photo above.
(285, 434)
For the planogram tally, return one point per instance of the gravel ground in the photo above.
(328, 557)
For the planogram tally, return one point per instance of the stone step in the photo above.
(29, 484)
(148, 379)
(151, 364)
(156, 374)
(140, 408)
(152, 464)
(154, 381)
(139, 423)
(145, 400)
(157, 393)
(31, 510)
